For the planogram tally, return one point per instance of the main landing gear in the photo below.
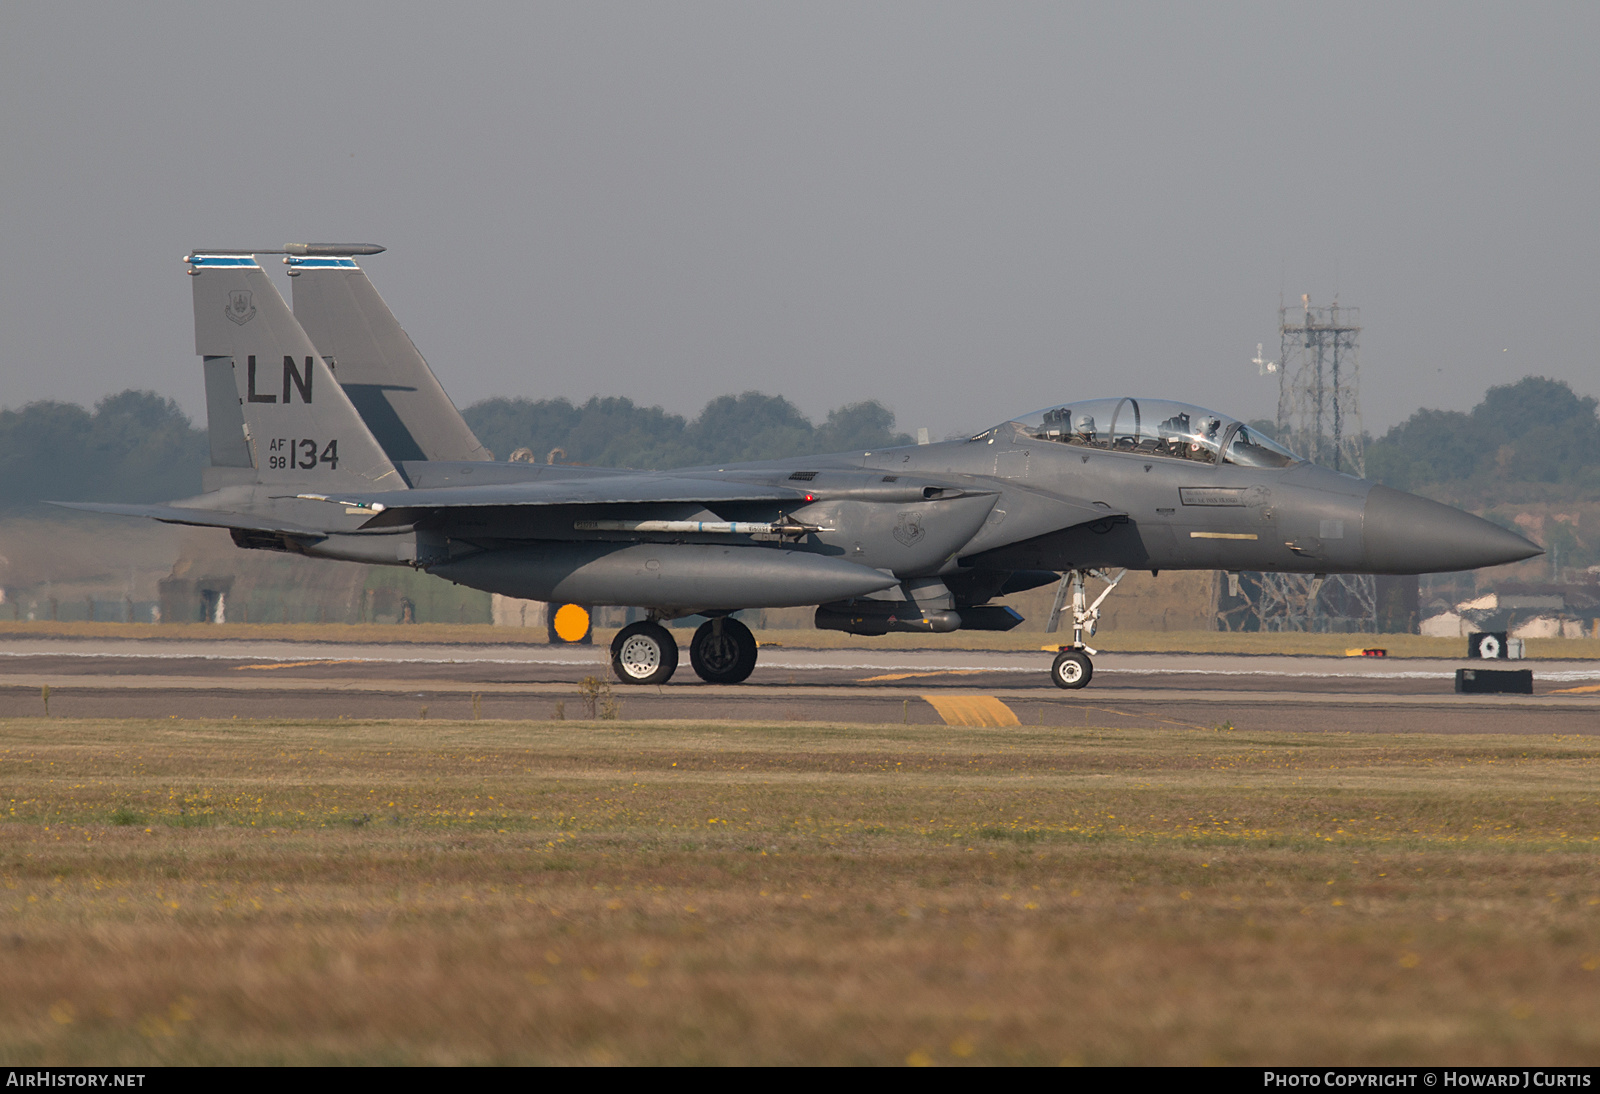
(1072, 668)
(722, 651)
(644, 653)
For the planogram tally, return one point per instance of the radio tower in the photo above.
(1319, 385)
(1319, 417)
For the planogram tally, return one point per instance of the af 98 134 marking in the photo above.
(302, 454)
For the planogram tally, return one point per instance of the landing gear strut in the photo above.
(1072, 668)
(723, 651)
(644, 653)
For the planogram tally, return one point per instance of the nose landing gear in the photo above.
(1072, 668)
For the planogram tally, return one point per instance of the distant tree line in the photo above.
(613, 432)
(139, 447)
(133, 447)
(1533, 431)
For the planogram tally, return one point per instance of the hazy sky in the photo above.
(964, 210)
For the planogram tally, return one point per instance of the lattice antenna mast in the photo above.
(1319, 385)
(1319, 416)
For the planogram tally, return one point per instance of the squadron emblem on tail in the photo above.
(239, 308)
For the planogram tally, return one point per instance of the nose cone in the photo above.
(1405, 534)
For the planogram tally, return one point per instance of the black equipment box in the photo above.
(1494, 681)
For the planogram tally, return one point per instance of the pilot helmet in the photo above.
(1208, 425)
(1085, 425)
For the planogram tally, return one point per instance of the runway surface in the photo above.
(159, 678)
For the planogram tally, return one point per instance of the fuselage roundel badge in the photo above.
(239, 308)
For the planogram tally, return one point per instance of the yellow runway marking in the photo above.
(1586, 689)
(909, 675)
(972, 710)
(303, 664)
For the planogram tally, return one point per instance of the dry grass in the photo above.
(1125, 641)
(585, 892)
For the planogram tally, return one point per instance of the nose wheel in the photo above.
(1072, 668)
(644, 653)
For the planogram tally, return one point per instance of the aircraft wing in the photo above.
(397, 507)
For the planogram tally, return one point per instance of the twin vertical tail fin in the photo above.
(288, 416)
(377, 365)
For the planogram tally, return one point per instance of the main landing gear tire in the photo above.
(644, 653)
(1072, 670)
(728, 657)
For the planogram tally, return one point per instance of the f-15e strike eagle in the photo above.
(330, 437)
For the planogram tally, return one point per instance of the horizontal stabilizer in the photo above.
(200, 518)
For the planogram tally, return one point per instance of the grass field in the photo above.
(603, 892)
(1125, 641)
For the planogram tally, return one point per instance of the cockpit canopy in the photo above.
(1155, 427)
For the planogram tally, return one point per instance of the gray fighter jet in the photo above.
(331, 438)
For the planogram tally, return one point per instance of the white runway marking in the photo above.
(792, 659)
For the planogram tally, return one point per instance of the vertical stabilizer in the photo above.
(376, 363)
(298, 425)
